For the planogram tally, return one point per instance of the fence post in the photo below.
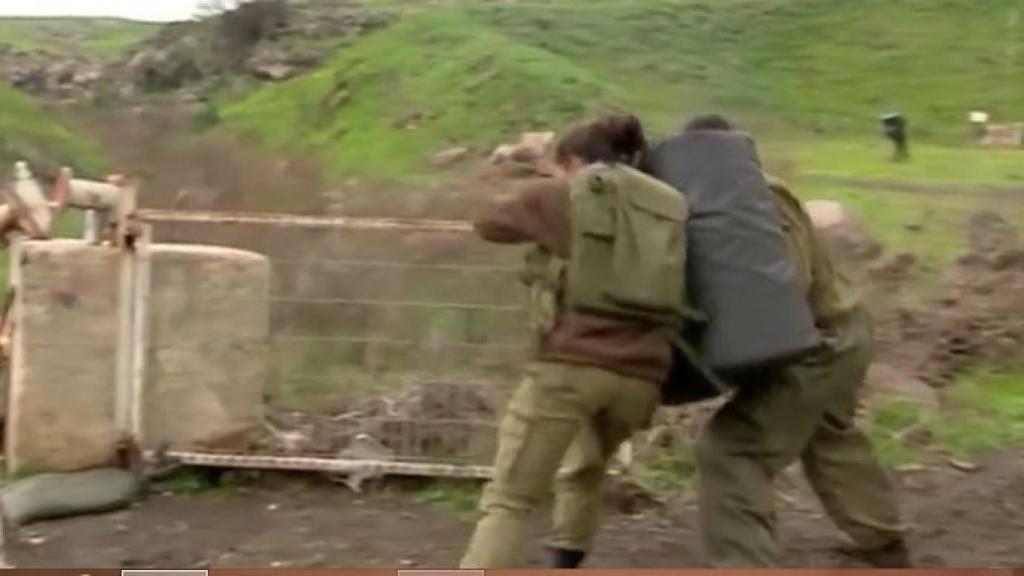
(15, 356)
(124, 401)
(140, 325)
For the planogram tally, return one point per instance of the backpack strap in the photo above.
(706, 377)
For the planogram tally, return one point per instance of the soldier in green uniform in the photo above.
(594, 380)
(802, 411)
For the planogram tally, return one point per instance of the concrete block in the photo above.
(206, 351)
(61, 399)
(208, 343)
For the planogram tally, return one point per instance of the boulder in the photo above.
(846, 235)
(532, 147)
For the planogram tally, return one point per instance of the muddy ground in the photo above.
(957, 519)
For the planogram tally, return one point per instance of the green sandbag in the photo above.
(50, 496)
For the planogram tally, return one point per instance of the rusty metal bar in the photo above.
(291, 220)
(328, 465)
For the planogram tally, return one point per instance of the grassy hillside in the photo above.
(477, 72)
(93, 37)
(434, 77)
(28, 132)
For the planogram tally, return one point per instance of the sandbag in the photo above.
(50, 496)
(740, 271)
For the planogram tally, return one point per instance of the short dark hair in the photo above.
(708, 122)
(611, 138)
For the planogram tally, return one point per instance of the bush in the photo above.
(250, 23)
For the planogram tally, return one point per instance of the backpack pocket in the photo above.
(649, 253)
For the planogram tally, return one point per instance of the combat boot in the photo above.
(562, 558)
(895, 554)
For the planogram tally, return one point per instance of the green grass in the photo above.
(983, 411)
(986, 412)
(459, 498)
(478, 73)
(930, 163)
(667, 474)
(932, 226)
(74, 37)
(434, 78)
(203, 480)
(29, 132)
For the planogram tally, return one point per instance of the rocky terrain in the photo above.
(261, 41)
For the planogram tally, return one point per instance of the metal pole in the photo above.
(140, 313)
(123, 401)
(335, 465)
(290, 220)
(91, 229)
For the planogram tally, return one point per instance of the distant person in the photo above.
(800, 410)
(894, 126)
(595, 377)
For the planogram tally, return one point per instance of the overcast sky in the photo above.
(159, 10)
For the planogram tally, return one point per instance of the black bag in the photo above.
(740, 270)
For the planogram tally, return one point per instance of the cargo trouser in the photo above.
(804, 411)
(560, 414)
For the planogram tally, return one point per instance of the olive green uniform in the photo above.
(593, 384)
(556, 406)
(803, 411)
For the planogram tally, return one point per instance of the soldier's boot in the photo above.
(562, 558)
(895, 554)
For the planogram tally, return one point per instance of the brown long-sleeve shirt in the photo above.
(539, 212)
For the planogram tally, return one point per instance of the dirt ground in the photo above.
(957, 519)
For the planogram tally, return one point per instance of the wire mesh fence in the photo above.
(387, 342)
(399, 340)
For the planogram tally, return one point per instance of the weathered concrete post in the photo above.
(205, 361)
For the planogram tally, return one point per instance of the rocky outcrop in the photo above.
(195, 58)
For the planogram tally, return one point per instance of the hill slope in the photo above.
(477, 72)
(28, 132)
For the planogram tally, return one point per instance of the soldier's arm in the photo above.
(815, 262)
(535, 212)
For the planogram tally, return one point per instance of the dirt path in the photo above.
(958, 520)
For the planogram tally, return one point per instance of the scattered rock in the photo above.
(450, 156)
(531, 148)
(272, 63)
(410, 121)
(963, 465)
(340, 96)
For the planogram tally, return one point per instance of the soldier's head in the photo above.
(611, 139)
(715, 122)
